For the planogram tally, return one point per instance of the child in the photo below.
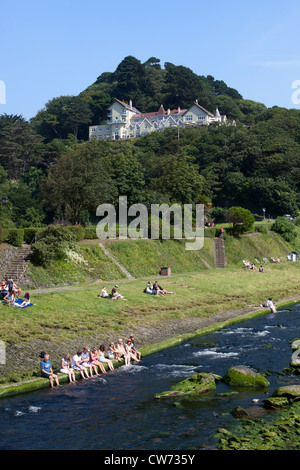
(65, 368)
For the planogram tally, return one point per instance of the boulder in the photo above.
(239, 412)
(195, 385)
(289, 391)
(243, 376)
(295, 360)
(275, 403)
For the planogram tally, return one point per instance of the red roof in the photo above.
(160, 112)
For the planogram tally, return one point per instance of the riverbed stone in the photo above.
(239, 412)
(289, 391)
(296, 344)
(243, 376)
(197, 384)
(276, 403)
(295, 360)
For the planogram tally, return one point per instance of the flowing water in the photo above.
(118, 411)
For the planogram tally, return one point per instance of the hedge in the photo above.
(13, 236)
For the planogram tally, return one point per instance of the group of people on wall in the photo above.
(89, 362)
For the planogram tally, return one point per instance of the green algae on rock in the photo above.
(197, 384)
(292, 392)
(276, 403)
(243, 376)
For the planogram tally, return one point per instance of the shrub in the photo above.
(285, 228)
(13, 236)
(29, 234)
(241, 219)
(261, 229)
(90, 233)
(51, 244)
(78, 231)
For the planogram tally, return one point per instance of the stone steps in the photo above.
(220, 258)
(19, 264)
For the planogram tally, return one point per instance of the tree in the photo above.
(79, 181)
(62, 116)
(18, 145)
(241, 219)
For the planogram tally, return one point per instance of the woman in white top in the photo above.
(129, 350)
(122, 353)
(76, 365)
(102, 358)
(66, 369)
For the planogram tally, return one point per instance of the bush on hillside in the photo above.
(241, 219)
(13, 236)
(285, 228)
(52, 243)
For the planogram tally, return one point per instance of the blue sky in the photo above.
(56, 48)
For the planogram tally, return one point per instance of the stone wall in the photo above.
(7, 254)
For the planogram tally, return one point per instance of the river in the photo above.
(118, 411)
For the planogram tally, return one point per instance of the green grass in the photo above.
(62, 315)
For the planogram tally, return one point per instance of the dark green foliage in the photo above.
(48, 174)
(242, 220)
(51, 244)
(285, 228)
(13, 236)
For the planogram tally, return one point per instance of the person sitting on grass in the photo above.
(149, 288)
(12, 287)
(66, 369)
(104, 293)
(160, 289)
(76, 365)
(115, 295)
(3, 290)
(10, 298)
(94, 360)
(102, 357)
(47, 372)
(26, 300)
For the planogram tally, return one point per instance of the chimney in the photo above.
(130, 103)
(179, 110)
(169, 111)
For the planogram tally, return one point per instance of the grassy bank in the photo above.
(62, 321)
(144, 258)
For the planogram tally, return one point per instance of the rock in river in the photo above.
(243, 376)
(195, 385)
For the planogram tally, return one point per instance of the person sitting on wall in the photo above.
(47, 372)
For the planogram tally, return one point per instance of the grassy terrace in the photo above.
(59, 316)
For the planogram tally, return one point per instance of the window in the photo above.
(189, 117)
(201, 117)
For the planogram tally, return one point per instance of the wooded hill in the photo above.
(49, 171)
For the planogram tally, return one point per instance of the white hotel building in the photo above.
(126, 122)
